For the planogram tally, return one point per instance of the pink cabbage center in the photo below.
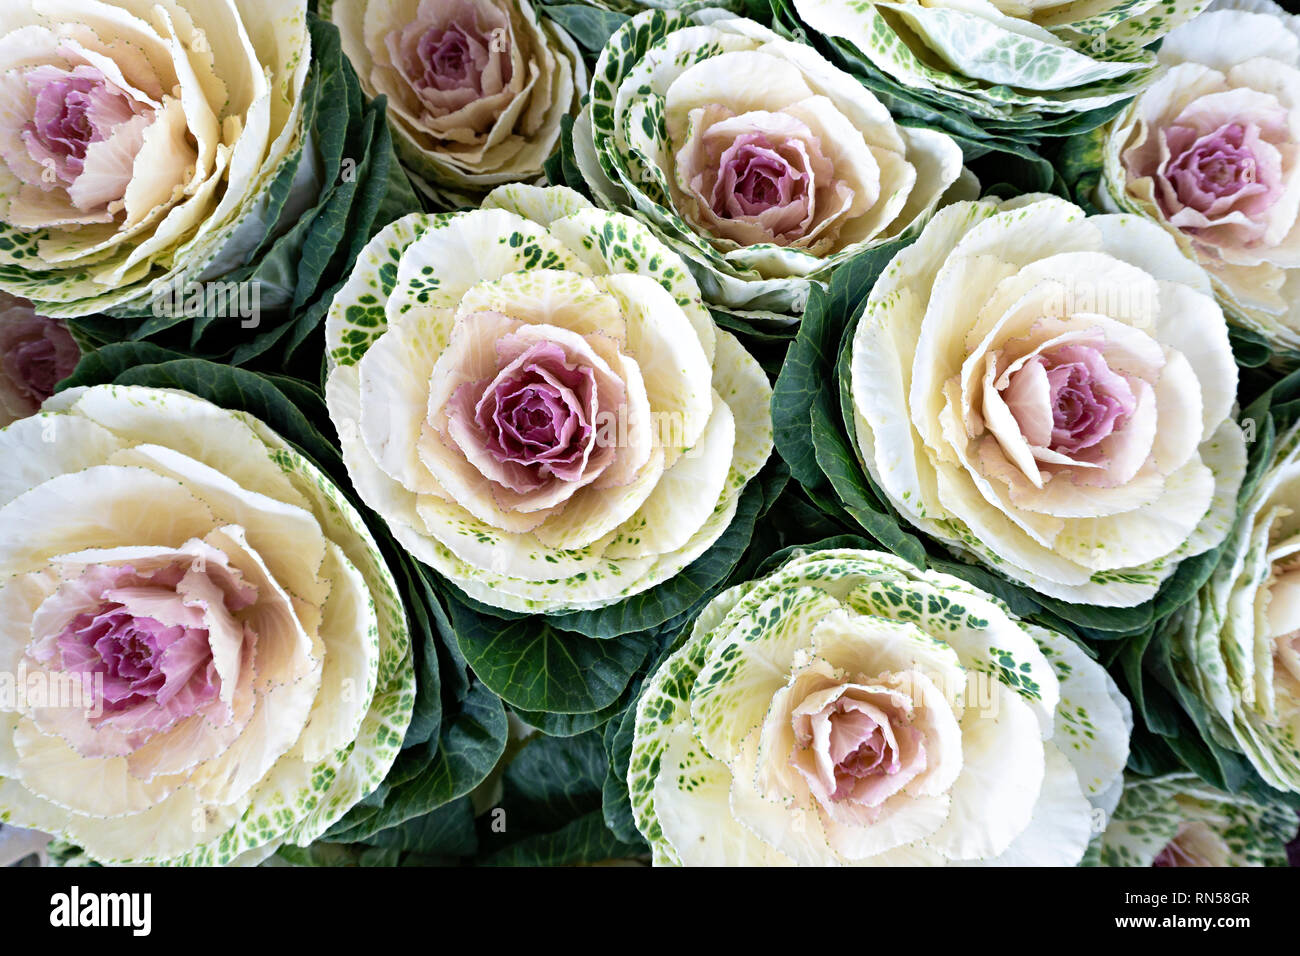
(73, 110)
(456, 58)
(753, 177)
(1226, 167)
(453, 58)
(142, 646)
(537, 413)
(858, 747)
(1068, 399)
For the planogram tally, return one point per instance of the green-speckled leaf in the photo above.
(1153, 811)
(997, 67)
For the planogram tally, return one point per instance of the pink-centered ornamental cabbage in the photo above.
(36, 353)
(139, 141)
(1211, 151)
(849, 709)
(476, 88)
(1051, 394)
(761, 163)
(537, 402)
(205, 654)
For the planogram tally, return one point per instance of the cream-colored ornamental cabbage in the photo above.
(1238, 646)
(534, 398)
(476, 88)
(1051, 394)
(139, 140)
(202, 653)
(852, 709)
(1178, 820)
(1211, 151)
(758, 161)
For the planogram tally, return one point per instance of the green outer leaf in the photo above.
(585, 840)
(800, 386)
(1250, 349)
(438, 838)
(1080, 161)
(806, 405)
(426, 716)
(468, 750)
(553, 780)
(616, 803)
(590, 26)
(570, 725)
(536, 666)
(102, 365)
(560, 168)
(447, 832)
(815, 355)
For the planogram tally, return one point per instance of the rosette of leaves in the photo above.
(259, 286)
(1177, 820)
(739, 755)
(1213, 682)
(1006, 133)
(459, 729)
(817, 434)
(1166, 158)
(476, 89)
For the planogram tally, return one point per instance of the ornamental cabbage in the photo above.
(752, 156)
(476, 88)
(1051, 394)
(1005, 63)
(140, 142)
(1237, 646)
(852, 709)
(533, 397)
(202, 654)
